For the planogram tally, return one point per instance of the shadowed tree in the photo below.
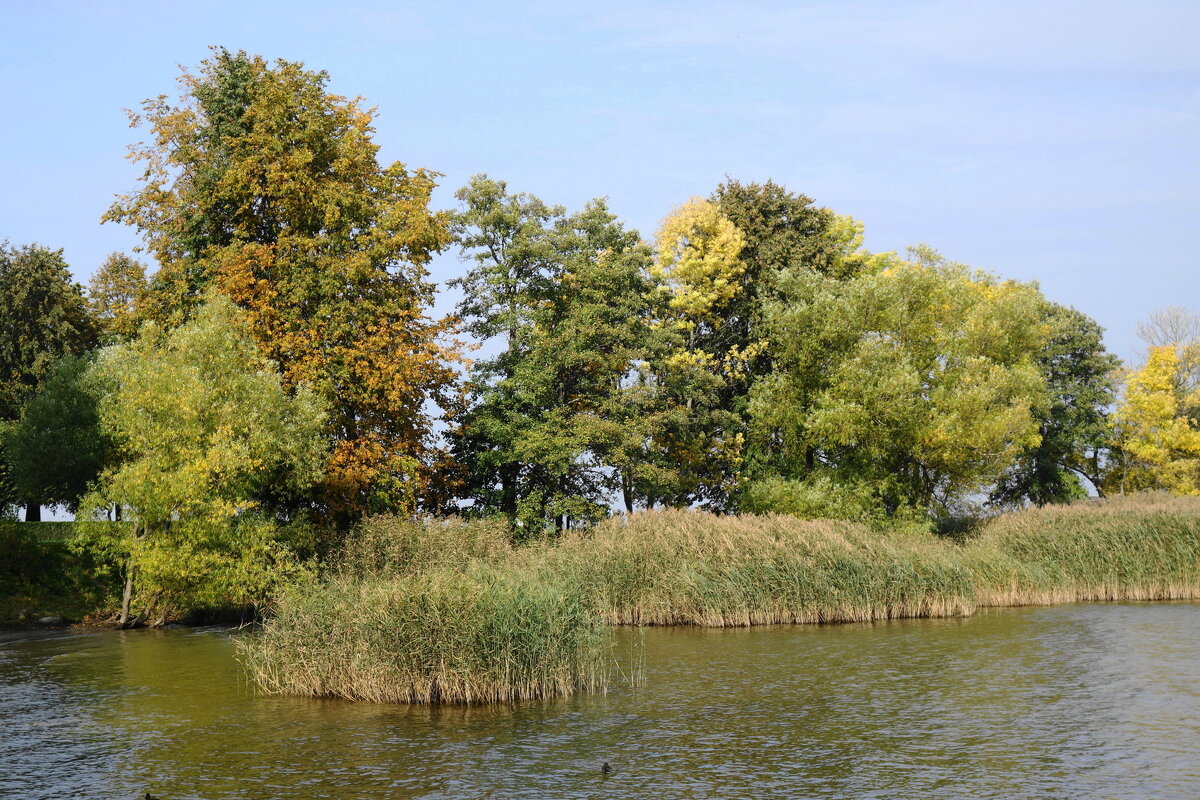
(44, 318)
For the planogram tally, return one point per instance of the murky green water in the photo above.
(1073, 702)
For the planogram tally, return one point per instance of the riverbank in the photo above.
(450, 612)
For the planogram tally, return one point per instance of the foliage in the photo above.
(1157, 428)
(41, 576)
(818, 497)
(204, 429)
(44, 316)
(115, 295)
(57, 447)
(1075, 424)
(264, 186)
(916, 379)
(545, 414)
(697, 263)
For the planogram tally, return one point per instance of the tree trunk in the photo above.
(127, 595)
(141, 618)
(33, 511)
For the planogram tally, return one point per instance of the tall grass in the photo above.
(688, 568)
(1141, 547)
(679, 567)
(450, 612)
(415, 615)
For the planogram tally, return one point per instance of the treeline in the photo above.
(279, 376)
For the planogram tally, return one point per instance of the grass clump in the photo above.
(690, 568)
(414, 615)
(1139, 547)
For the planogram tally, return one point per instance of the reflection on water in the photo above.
(1074, 701)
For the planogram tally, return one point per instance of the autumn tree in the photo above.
(204, 429)
(699, 276)
(44, 318)
(114, 293)
(1157, 426)
(264, 186)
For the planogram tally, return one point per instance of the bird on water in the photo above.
(606, 768)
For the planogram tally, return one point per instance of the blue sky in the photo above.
(1046, 140)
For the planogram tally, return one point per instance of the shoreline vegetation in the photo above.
(252, 423)
(449, 612)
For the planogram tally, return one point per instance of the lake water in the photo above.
(1083, 701)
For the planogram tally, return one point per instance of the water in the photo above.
(1074, 701)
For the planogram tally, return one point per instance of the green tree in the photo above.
(42, 318)
(115, 293)
(264, 186)
(1074, 424)
(203, 428)
(57, 447)
(915, 383)
(545, 416)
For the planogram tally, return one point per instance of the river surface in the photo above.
(1087, 701)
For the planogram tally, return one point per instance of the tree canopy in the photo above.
(264, 186)
(204, 431)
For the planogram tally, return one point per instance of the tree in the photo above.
(1179, 328)
(204, 428)
(915, 383)
(1156, 428)
(545, 415)
(1074, 424)
(114, 294)
(44, 318)
(699, 275)
(57, 447)
(263, 185)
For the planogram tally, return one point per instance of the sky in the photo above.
(1046, 140)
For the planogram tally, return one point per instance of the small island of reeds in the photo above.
(451, 612)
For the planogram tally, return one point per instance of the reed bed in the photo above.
(452, 613)
(481, 635)
(1141, 547)
(689, 568)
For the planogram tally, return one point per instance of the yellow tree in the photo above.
(263, 185)
(699, 274)
(1157, 434)
(114, 294)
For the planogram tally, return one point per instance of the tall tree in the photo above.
(44, 318)
(1074, 423)
(203, 428)
(114, 293)
(265, 186)
(562, 299)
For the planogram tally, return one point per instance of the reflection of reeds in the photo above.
(452, 613)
